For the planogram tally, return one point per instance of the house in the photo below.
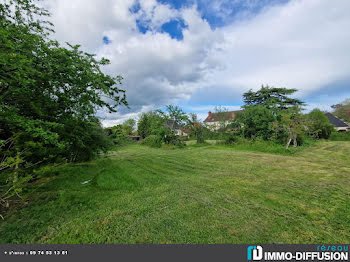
(135, 138)
(338, 124)
(215, 121)
(183, 132)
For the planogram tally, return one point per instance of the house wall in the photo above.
(216, 125)
(179, 132)
(342, 128)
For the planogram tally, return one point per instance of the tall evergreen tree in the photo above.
(272, 98)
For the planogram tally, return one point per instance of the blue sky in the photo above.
(225, 12)
(205, 53)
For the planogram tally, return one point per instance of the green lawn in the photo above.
(211, 194)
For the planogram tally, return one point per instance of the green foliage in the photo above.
(318, 125)
(49, 94)
(196, 127)
(150, 123)
(273, 98)
(342, 110)
(117, 134)
(209, 134)
(233, 137)
(152, 141)
(291, 124)
(260, 145)
(340, 136)
(270, 114)
(175, 117)
(162, 125)
(129, 126)
(120, 134)
(256, 122)
(85, 140)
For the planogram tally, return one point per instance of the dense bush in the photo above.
(256, 122)
(340, 136)
(173, 140)
(318, 125)
(120, 134)
(261, 145)
(152, 141)
(150, 123)
(232, 137)
(84, 140)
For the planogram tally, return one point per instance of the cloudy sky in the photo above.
(204, 53)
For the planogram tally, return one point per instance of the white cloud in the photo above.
(290, 46)
(302, 44)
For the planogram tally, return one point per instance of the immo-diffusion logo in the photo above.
(325, 253)
(255, 253)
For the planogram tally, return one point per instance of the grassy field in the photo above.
(211, 194)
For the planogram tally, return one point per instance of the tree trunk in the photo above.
(15, 173)
(288, 143)
(295, 141)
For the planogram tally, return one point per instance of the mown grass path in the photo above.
(211, 194)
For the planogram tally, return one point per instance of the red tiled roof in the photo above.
(215, 117)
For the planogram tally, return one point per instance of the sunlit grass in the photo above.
(209, 194)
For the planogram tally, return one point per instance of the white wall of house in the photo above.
(216, 125)
(342, 128)
(179, 132)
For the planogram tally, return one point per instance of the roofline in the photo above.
(234, 111)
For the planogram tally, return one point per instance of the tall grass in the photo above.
(340, 136)
(260, 145)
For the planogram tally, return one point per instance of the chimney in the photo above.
(233, 115)
(209, 113)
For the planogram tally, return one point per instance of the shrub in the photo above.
(256, 122)
(175, 141)
(184, 138)
(152, 141)
(318, 125)
(230, 140)
(340, 136)
(260, 145)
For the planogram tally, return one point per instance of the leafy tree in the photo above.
(273, 98)
(196, 127)
(84, 140)
(162, 124)
(49, 94)
(120, 134)
(143, 125)
(342, 110)
(256, 121)
(129, 126)
(150, 123)
(318, 125)
(270, 113)
(291, 123)
(175, 117)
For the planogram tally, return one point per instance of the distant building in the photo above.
(183, 132)
(215, 121)
(136, 138)
(338, 124)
